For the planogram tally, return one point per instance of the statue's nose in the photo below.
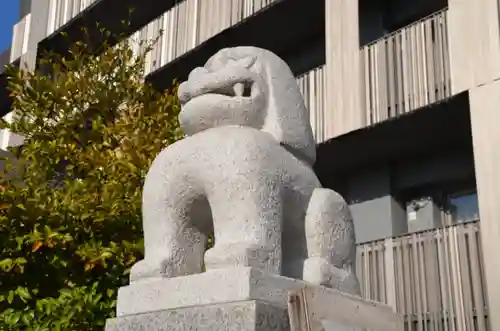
(185, 92)
(197, 73)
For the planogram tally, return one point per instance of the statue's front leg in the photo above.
(247, 227)
(174, 253)
(331, 243)
(173, 247)
(175, 222)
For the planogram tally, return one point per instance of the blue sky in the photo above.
(9, 12)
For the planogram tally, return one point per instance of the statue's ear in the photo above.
(287, 116)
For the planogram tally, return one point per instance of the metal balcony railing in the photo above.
(313, 87)
(434, 278)
(191, 22)
(62, 11)
(407, 69)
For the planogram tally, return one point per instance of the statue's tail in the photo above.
(331, 243)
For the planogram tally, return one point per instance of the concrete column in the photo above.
(484, 103)
(474, 42)
(38, 30)
(375, 212)
(20, 38)
(343, 74)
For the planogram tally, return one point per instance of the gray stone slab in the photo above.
(211, 287)
(328, 310)
(244, 299)
(237, 316)
(331, 309)
(339, 326)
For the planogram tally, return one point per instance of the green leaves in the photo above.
(70, 197)
(67, 311)
(23, 293)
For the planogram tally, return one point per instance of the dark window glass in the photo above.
(463, 207)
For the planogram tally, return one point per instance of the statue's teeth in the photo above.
(238, 89)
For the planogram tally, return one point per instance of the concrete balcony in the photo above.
(69, 17)
(434, 278)
(227, 24)
(190, 23)
(407, 69)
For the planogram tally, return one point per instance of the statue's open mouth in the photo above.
(237, 90)
(243, 88)
(235, 80)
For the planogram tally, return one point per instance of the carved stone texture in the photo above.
(244, 171)
(235, 316)
(243, 298)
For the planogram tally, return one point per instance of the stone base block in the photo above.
(248, 315)
(243, 299)
(211, 287)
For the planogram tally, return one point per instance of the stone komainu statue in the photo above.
(244, 172)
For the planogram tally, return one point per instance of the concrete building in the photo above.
(402, 97)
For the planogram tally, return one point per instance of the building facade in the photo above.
(402, 97)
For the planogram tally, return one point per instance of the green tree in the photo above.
(70, 196)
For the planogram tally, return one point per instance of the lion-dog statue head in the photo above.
(248, 86)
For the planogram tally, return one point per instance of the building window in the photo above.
(463, 207)
(440, 205)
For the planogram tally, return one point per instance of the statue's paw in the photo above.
(145, 269)
(319, 271)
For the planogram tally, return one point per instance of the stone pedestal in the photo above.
(250, 315)
(239, 299)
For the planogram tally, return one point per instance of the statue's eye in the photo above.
(217, 64)
(247, 62)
